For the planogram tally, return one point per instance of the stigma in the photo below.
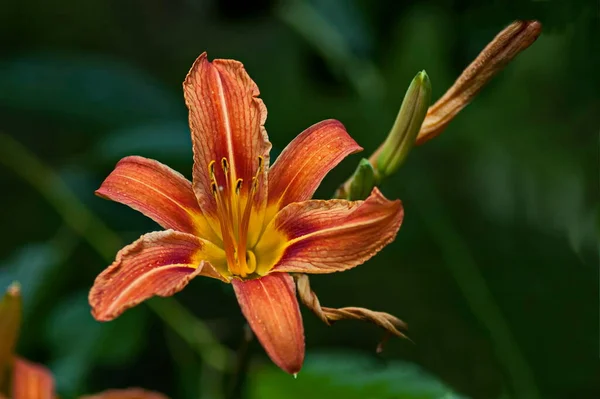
(234, 201)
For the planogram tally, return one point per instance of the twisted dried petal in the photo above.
(390, 323)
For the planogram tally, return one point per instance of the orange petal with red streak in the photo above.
(227, 121)
(330, 236)
(31, 381)
(303, 164)
(270, 306)
(158, 192)
(160, 263)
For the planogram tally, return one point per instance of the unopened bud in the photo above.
(10, 322)
(362, 182)
(406, 127)
(507, 44)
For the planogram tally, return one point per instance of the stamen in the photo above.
(225, 165)
(234, 212)
(211, 171)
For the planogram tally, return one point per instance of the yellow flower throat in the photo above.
(234, 208)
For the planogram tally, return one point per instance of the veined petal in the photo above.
(129, 393)
(328, 236)
(31, 381)
(160, 263)
(269, 304)
(303, 164)
(227, 122)
(158, 192)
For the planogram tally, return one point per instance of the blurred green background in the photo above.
(495, 268)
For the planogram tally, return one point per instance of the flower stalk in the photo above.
(503, 48)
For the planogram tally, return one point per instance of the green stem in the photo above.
(106, 242)
(477, 293)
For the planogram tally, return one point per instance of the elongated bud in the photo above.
(406, 127)
(510, 42)
(10, 322)
(362, 181)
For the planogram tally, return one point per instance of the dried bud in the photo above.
(406, 127)
(390, 323)
(10, 322)
(515, 38)
(362, 181)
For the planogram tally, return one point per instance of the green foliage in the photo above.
(77, 341)
(349, 375)
(95, 89)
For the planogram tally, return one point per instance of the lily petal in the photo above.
(328, 236)
(227, 121)
(31, 381)
(129, 393)
(270, 306)
(160, 263)
(158, 192)
(303, 164)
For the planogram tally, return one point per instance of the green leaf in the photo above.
(93, 88)
(168, 139)
(31, 266)
(349, 375)
(77, 341)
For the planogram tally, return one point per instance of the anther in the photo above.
(211, 169)
(261, 161)
(238, 186)
(225, 165)
(213, 188)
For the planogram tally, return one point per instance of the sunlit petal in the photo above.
(159, 263)
(271, 308)
(328, 236)
(158, 192)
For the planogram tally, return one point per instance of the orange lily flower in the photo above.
(22, 379)
(34, 381)
(241, 221)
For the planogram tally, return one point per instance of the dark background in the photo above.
(495, 268)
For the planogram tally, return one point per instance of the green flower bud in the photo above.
(362, 181)
(406, 127)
